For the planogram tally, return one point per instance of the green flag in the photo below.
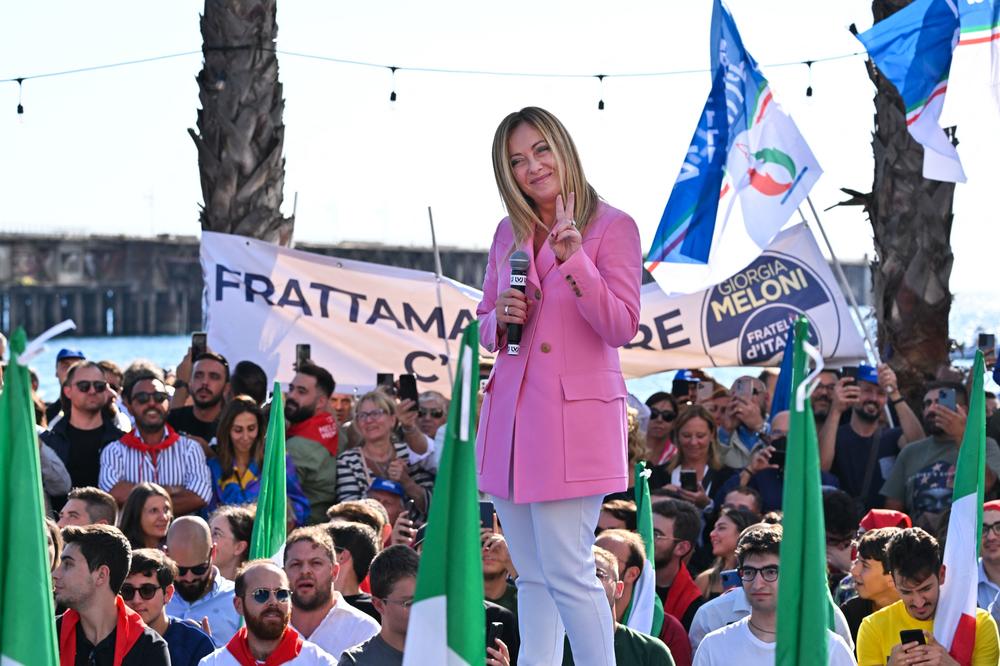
(645, 610)
(27, 616)
(804, 604)
(448, 619)
(272, 504)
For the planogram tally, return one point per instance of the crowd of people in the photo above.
(151, 480)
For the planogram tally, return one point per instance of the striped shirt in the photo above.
(354, 477)
(180, 464)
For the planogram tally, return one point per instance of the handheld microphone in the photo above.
(518, 280)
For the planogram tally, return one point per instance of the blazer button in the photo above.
(546, 348)
(538, 294)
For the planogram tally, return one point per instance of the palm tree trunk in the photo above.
(911, 218)
(240, 130)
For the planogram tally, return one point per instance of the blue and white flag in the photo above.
(745, 173)
(913, 49)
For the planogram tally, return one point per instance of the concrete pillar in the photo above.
(81, 324)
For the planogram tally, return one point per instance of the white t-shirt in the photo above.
(737, 642)
(309, 656)
(343, 627)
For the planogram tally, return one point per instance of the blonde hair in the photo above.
(691, 413)
(522, 210)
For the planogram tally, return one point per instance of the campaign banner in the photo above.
(362, 318)
(744, 319)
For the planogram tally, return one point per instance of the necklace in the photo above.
(763, 631)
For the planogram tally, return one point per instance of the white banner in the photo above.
(362, 318)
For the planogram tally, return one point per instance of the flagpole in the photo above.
(437, 282)
(872, 349)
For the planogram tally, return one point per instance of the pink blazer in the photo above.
(553, 423)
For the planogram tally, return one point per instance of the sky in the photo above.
(108, 151)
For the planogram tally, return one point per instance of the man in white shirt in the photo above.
(754, 637)
(319, 613)
(263, 600)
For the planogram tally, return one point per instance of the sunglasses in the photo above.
(435, 413)
(768, 573)
(197, 570)
(142, 397)
(991, 527)
(84, 386)
(666, 415)
(147, 591)
(262, 594)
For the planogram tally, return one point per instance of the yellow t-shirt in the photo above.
(879, 633)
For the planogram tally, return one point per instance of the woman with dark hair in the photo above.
(146, 516)
(723, 537)
(232, 527)
(239, 460)
(53, 535)
(552, 431)
(662, 414)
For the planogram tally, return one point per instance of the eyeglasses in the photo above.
(768, 573)
(84, 386)
(197, 570)
(402, 603)
(434, 413)
(262, 594)
(142, 397)
(666, 415)
(147, 591)
(991, 527)
(373, 414)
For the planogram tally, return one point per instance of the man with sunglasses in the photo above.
(203, 595)
(432, 412)
(264, 601)
(753, 639)
(147, 589)
(86, 427)
(154, 452)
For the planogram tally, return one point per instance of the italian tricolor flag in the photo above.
(645, 610)
(448, 619)
(955, 619)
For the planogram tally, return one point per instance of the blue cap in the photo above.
(69, 353)
(378, 483)
(867, 373)
(685, 374)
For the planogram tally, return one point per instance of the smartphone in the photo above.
(987, 342)
(743, 388)
(850, 372)
(730, 578)
(303, 353)
(411, 509)
(199, 344)
(911, 636)
(704, 391)
(386, 382)
(408, 389)
(946, 398)
(780, 445)
(421, 533)
(681, 388)
(689, 480)
(486, 510)
(495, 631)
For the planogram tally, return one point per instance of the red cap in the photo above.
(885, 518)
(992, 505)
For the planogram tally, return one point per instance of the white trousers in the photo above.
(557, 588)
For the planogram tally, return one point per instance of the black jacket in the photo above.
(57, 438)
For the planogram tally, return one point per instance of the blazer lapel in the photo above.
(528, 248)
(545, 261)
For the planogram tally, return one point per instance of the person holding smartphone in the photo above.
(552, 430)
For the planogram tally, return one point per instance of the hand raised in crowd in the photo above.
(512, 308)
(760, 459)
(184, 368)
(952, 422)
(496, 546)
(499, 655)
(887, 381)
(700, 499)
(747, 413)
(846, 394)
(564, 237)
(406, 414)
(205, 627)
(403, 531)
(397, 472)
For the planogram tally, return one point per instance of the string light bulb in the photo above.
(20, 89)
(809, 88)
(392, 95)
(600, 102)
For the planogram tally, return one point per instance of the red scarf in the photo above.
(320, 427)
(134, 441)
(288, 648)
(128, 629)
(683, 591)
